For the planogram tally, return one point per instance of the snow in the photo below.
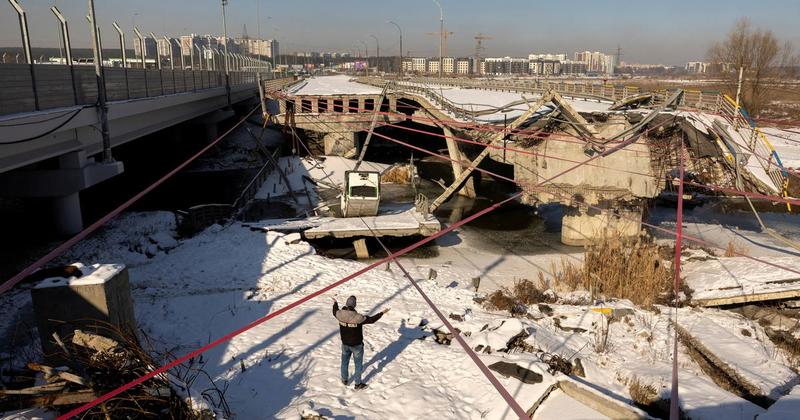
(562, 406)
(334, 85)
(786, 408)
(479, 99)
(786, 143)
(93, 274)
(723, 277)
(752, 355)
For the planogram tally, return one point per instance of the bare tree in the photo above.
(759, 54)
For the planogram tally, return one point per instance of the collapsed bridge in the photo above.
(542, 131)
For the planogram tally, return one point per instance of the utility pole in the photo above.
(400, 69)
(225, 37)
(101, 88)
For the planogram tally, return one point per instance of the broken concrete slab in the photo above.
(736, 280)
(749, 360)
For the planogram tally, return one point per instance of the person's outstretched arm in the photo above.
(335, 306)
(374, 318)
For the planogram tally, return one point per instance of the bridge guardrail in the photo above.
(61, 86)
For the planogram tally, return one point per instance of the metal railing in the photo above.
(59, 86)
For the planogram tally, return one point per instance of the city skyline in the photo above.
(592, 26)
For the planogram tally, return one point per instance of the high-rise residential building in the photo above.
(547, 56)
(463, 66)
(419, 64)
(448, 64)
(596, 62)
(506, 65)
(407, 65)
(433, 65)
(573, 67)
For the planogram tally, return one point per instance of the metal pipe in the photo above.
(171, 58)
(101, 87)
(121, 34)
(200, 59)
(225, 35)
(26, 46)
(142, 48)
(158, 53)
(67, 49)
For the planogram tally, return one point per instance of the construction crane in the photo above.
(446, 35)
(479, 49)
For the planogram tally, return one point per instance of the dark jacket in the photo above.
(350, 323)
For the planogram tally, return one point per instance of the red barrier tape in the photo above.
(229, 336)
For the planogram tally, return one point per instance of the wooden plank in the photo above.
(757, 297)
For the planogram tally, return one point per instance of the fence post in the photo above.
(26, 46)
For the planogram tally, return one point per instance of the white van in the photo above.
(362, 193)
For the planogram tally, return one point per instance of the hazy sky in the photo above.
(670, 32)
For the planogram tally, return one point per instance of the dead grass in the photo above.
(523, 293)
(619, 268)
(735, 250)
(398, 174)
(642, 394)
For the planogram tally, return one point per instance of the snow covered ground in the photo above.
(192, 291)
(333, 85)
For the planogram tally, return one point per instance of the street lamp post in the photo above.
(441, 34)
(399, 30)
(378, 53)
(225, 38)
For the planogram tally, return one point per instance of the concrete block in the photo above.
(101, 295)
(361, 249)
(579, 228)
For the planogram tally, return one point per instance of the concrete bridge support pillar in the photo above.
(74, 173)
(581, 226)
(341, 144)
(468, 190)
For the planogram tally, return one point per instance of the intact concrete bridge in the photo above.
(563, 124)
(50, 130)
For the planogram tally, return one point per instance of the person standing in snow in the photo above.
(350, 323)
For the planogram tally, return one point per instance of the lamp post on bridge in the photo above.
(441, 35)
(121, 34)
(26, 47)
(399, 30)
(225, 35)
(377, 53)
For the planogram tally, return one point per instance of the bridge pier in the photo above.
(581, 227)
(74, 173)
(468, 190)
(343, 144)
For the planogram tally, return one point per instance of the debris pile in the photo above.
(90, 364)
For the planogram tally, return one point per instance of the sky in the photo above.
(668, 32)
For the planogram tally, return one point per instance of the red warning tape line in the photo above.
(232, 334)
(523, 185)
(8, 285)
(673, 403)
(457, 335)
(772, 198)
